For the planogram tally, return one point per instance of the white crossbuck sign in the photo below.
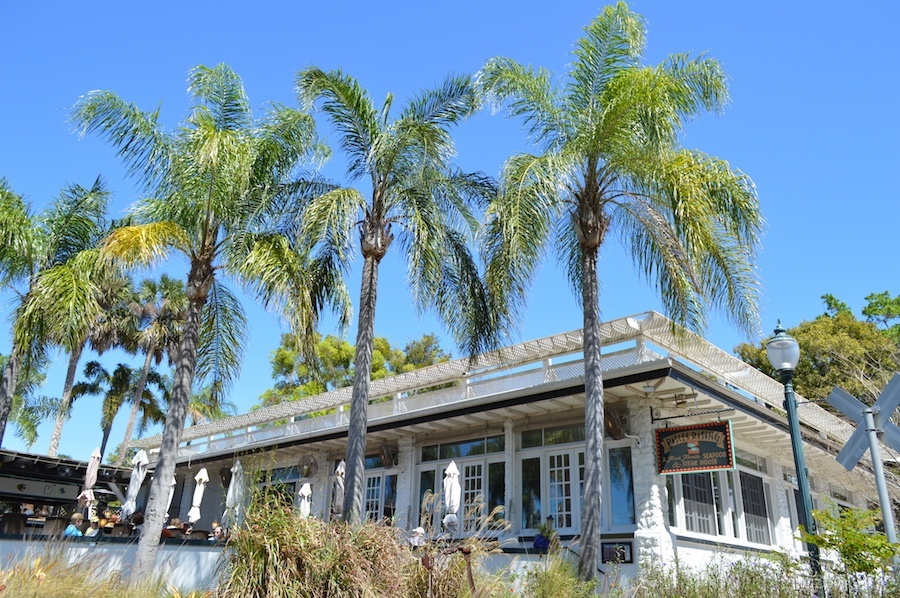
(854, 409)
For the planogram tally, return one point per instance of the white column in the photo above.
(511, 493)
(653, 540)
(407, 513)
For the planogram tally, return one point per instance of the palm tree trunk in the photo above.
(65, 400)
(8, 389)
(106, 432)
(593, 420)
(199, 281)
(359, 403)
(135, 405)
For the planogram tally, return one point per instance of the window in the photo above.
(380, 491)
(482, 473)
(552, 481)
(735, 504)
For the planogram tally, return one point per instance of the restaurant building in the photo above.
(698, 458)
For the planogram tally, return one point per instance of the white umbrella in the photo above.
(90, 478)
(337, 491)
(305, 499)
(452, 496)
(171, 494)
(234, 497)
(138, 472)
(201, 479)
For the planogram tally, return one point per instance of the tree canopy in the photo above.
(297, 376)
(839, 349)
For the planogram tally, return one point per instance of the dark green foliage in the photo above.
(836, 349)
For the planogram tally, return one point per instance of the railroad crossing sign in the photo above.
(870, 421)
(881, 412)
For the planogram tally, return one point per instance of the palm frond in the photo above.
(137, 136)
(223, 330)
(221, 92)
(455, 100)
(349, 109)
(145, 244)
(17, 233)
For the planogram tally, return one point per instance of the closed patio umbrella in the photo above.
(337, 491)
(200, 480)
(172, 485)
(234, 497)
(452, 497)
(86, 498)
(138, 472)
(305, 495)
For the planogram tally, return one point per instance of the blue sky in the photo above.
(812, 120)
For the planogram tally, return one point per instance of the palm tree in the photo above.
(117, 388)
(28, 410)
(214, 189)
(49, 260)
(208, 405)
(161, 307)
(416, 195)
(610, 161)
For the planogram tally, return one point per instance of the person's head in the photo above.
(77, 518)
(176, 522)
(219, 533)
(137, 518)
(95, 522)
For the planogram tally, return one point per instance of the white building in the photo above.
(513, 423)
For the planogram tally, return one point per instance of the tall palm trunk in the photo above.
(103, 442)
(65, 400)
(8, 389)
(359, 403)
(135, 405)
(593, 419)
(199, 281)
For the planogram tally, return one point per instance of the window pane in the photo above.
(496, 444)
(374, 462)
(563, 435)
(560, 486)
(531, 492)
(426, 510)
(468, 448)
(430, 453)
(496, 487)
(699, 507)
(373, 497)
(472, 483)
(756, 517)
(621, 486)
(532, 438)
(390, 496)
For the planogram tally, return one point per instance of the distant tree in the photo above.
(884, 311)
(160, 307)
(117, 389)
(836, 349)
(332, 367)
(28, 409)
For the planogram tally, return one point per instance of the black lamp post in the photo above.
(784, 354)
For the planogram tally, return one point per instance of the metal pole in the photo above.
(806, 518)
(878, 470)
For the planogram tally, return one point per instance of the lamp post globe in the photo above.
(783, 352)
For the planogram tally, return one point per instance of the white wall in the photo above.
(183, 567)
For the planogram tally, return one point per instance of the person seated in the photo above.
(137, 523)
(418, 537)
(72, 530)
(218, 534)
(94, 530)
(175, 529)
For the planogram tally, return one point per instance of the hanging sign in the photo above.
(699, 447)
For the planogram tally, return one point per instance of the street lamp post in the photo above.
(783, 352)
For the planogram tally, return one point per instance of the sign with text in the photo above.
(698, 447)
